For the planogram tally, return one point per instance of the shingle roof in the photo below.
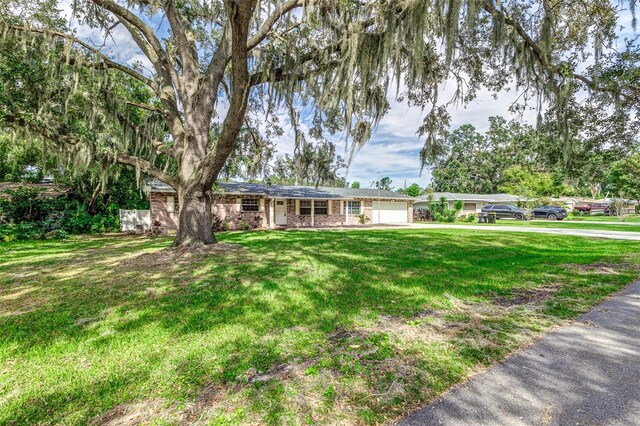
(47, 190)
(489, 198)
(285, 191)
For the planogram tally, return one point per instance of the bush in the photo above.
(219, 224)
(27, 215)
(438, 212)
(29, 231)
(363, 219)
(243, 225)
(422, 215)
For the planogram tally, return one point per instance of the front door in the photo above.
(281, 212)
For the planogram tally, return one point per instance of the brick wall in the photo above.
(159, 211)
(228, 209)
(301, 221)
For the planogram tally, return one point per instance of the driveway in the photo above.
(615, 235)
(585, 373)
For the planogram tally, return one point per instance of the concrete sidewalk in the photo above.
(586, 373)
(594, 233)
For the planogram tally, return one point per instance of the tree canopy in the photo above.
(213, 64)
(624, 178)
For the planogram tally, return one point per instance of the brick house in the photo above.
(243, 205)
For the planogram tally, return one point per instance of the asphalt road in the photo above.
(585, 373)
(594, 233)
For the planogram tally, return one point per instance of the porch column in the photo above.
(347, 210)
(313, 213)
(272, 213)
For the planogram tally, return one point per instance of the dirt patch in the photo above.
(527, 296)
(210, 397)
(139, 413)
(169, 257)
(601, 267)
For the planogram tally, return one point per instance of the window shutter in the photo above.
(329, 207)
(239, 204)
(298, 207)
(342, 207)
(170, 203)
(261, 204)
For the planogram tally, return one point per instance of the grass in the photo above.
(289, 328)
(602, 218)
(565, 224)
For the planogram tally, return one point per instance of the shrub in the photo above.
(243, 225)
(27, 215)
(440, 211)
(219, 224)
(422, 215)
(363, 219)
(58, 234)
(21, 231)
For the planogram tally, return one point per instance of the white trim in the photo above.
(313, 213)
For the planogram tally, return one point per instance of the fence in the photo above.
(135, 220)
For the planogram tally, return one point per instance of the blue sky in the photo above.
(394, 147)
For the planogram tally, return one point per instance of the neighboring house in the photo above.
(572, 202)
(271, 206)
(473, 203)
(47, 190)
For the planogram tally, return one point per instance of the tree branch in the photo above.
(106, 61)
(265, 29)
(69, 139)
(147, 167)
(186, 49)
(146, 39)
(239, 18)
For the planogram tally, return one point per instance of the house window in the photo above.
(305, 207)
(321, 207)
(250, 205)
(173, 205)
(352, 207)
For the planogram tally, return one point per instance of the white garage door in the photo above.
(389, 212)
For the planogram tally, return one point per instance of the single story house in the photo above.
(270, 206)
(473, 203)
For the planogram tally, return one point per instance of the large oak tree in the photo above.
(213, 61)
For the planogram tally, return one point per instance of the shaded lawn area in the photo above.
(290, 327)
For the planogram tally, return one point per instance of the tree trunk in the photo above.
(194, 219)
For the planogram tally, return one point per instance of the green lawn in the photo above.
(288, 327)
(566, 224)
(602, 218)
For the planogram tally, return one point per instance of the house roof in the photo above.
(487, 198)
(47, 190)
(286, 191)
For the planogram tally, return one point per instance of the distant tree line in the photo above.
(517, 158)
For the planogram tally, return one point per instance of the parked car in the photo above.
(582, 208)
(602, 208)
(506, 211)
(549, 212)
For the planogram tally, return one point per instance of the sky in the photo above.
(393, 150)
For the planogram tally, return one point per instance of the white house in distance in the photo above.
(473, 203)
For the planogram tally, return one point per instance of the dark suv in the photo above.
(505, 211)
(549, 212)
